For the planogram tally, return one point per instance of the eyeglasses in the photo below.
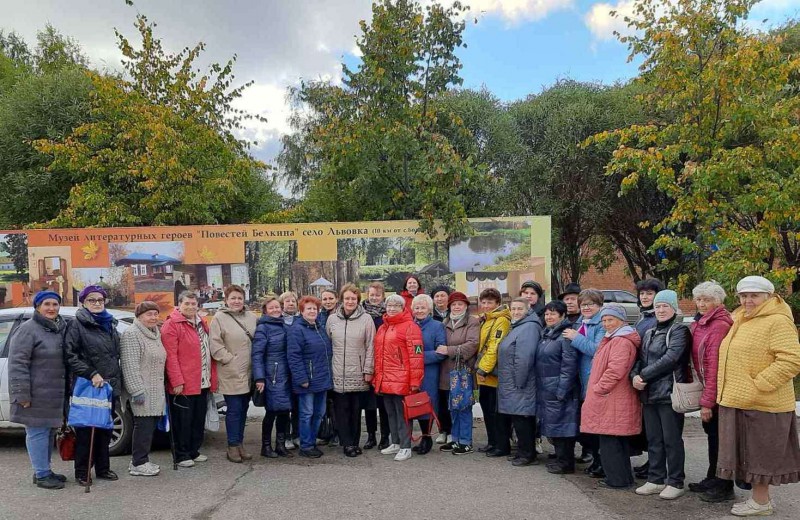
(588, 305)
(394, 306)
(94, 301)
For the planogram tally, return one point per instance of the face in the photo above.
(95, 302)
(488, 305)
(589, 309)
(664, 312)
(646, 297)
(420, 310)
(149, 319)
(705, 304)
(49, 308)
(349, 301)
(375, 296)
(394, 308)
(412, 285)
(328, 301)
(611, 323)
(458, 307)
(752, 300)
(552, 318)
(571, 301)
(188, 307)
(518, 310)
(440, 300)
(235, 301)
(530, 294)
(273, 309)
(310, 312)
(289, 305)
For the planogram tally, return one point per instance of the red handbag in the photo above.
(65, 442)
(418, 405)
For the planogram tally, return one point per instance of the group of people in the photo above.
(571, 370)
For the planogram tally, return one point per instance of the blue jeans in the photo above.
(312, 410)
(462, 426)
(236, 417)
(39, 442)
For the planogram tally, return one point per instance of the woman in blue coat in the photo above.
(271, 375)
(558, 391)
(309, 352)
(433, 335)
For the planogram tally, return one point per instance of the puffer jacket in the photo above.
(90, 350)
(587, 344)
(462, 342)
(143, 357)
(516, 375)
(231, 343)
(758, 359)
(647, 320)
(352, 340)
(558, 390)
(309, 354)
(270, 363)
(495, 326)
(433, 335)
(659, 361)
(399, 355)
(612, 405)
(707, 334)
(184, 366)
(36, 372)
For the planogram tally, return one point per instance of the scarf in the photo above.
(376, 311)
(456, 318)
(104, 319)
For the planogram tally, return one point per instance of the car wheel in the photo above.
(122, 432)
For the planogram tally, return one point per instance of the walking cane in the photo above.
(89, 472)
(171, 438)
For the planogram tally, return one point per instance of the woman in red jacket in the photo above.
(190, 377)
(399, 367)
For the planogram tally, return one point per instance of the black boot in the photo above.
(384, 443)
(371, 441)
(280, 446)
(266, 449)
(425, 445)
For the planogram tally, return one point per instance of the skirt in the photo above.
(758, 447)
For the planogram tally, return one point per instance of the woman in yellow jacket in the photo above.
(757, 427)
(495, 324)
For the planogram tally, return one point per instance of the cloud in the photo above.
(602, 23)
(517, 11)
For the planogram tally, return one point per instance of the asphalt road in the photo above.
(437, 486)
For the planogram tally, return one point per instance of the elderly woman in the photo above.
(439, 296)
(757, 425)
(271, 375)
(36, 376)
(92, 352)
(611, 409)
(309, 353)
(399, 368)
(708, 331)
(517, 384)
(288, 301)
(663, 361)
(143, 359)
(558, 392)
(373, 405)
(463, 333)
(433, 335)
(352, 334)
(231, 341)
(585, 339)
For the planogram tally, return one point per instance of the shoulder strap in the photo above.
(239, 323)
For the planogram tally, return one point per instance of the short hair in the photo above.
(490, 294)
(268, 298)
(145, 306)
(591, 296)
(710, 289)
(423, 298)
(397, 299)
(556, 306)
(350, 287)
(305, 300)
(650, 284)
(377, 285)
(186, 295)
(330, 290)
(232, 289)
(521, 299)
(285, 295)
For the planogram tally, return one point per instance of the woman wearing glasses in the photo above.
(92, 347)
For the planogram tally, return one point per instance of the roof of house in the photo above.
(147, 258)
(321, 282)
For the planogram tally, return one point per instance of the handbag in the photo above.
(686, 396)
(212, 415)
(260, 398)
(65, 442)
(90, 407)
(461, 386)
(416, 406)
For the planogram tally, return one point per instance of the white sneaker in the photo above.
(392, 449)
(189, 463)
(289, 445)
(201, 458)
(143, 470)
(441, 438)
(449, 439)
(403, 454)
(671, 493)
(752, 508)
(539, 448)
(650, 489)
(154, 467)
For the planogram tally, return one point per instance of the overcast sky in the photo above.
(516, 48)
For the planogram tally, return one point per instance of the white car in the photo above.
(10, 319)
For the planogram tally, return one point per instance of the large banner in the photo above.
(157, 263)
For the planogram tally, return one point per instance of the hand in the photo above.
(97, 380)
(25, 404)
(706, 414)
(260, 386)
(178, 390)
(414, 389)
(368, 378)
(304, 385)
(441, 349)
(638, 383)
(138, 399)
(570, 334)
(481, 379)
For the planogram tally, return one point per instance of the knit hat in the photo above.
(440, 288)
(145, 306)
(45, 295)
(90, 289)
(571, 288)
(667, 296)
(755, 284)
(457, 296)
(536, 286)
(614, 309)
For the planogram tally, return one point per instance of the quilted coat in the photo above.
(352, 340)
(558, 390)
(309, 354)
(399, 355)
(270, 363)
(663, 359)
(494, 328)
(707, 335)
(516, 357)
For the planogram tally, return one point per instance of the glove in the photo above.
(138, 399)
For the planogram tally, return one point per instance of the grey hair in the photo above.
(396, 298)
(186, 295)
(423, 298)
(521, 300)
(710, 289)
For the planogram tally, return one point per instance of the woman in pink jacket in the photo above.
(611, 409)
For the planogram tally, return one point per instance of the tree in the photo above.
(370, 149)
(722, 141)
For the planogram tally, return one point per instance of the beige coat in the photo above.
(462, 340)
(353, 353)
(231, 348)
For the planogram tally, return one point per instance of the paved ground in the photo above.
(437, 486)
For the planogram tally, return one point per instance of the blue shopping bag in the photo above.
(90, 407)
(163, 421)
